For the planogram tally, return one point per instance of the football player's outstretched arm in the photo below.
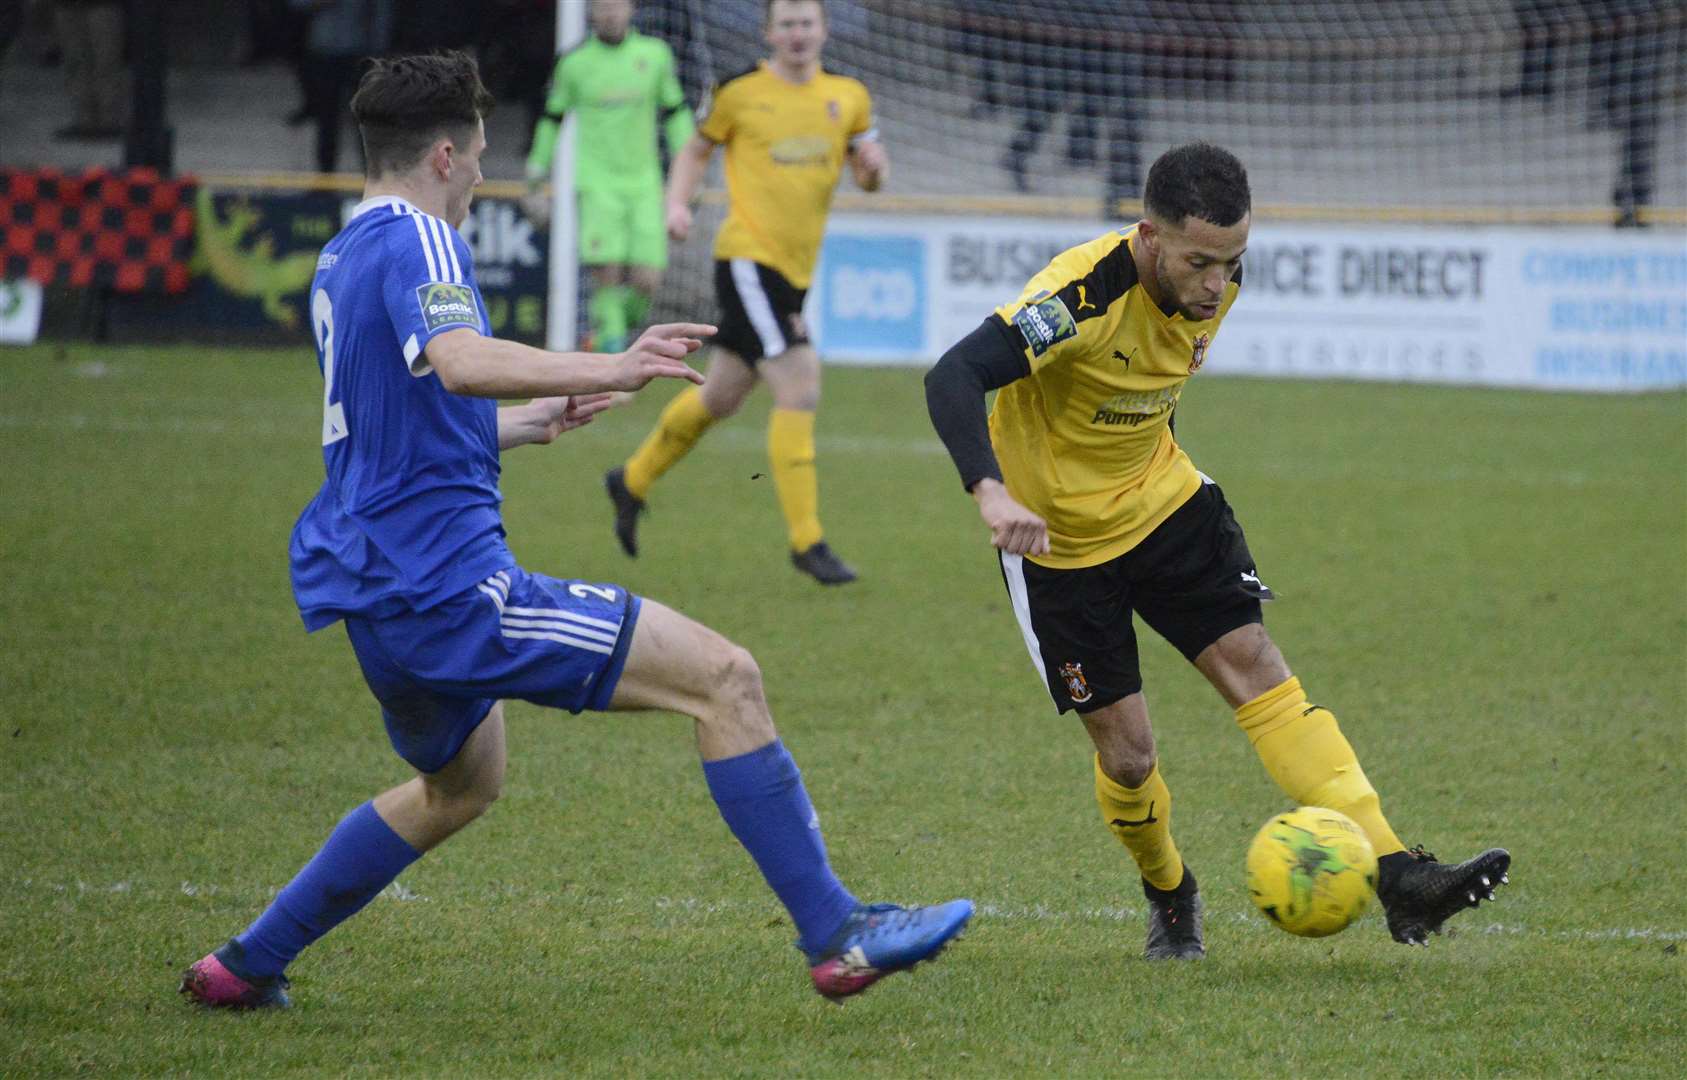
(543, 419)
(477, 366)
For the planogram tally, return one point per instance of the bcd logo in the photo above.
(873, 295)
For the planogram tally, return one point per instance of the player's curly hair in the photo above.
(1198, 180)
(404, 103)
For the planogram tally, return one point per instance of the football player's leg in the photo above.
(604, 223)
(793, 378)
(367, 850)
(678, 665)
(730, 378)
(1135, 802)
(642, 283)
(373, 844)
(647, 253)
(728, 381)
(692, 412)
(430, 807)
(681, 666)
(1305, 752)
(1202, 592)
(1300, 743)
(606, 310)
(1137, 806)
(1077, 629)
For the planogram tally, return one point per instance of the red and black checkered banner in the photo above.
(129, 229)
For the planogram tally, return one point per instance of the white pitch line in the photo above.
(753, 440)
(736, 439)
(993, 911)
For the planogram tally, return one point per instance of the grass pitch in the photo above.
(1485, 586)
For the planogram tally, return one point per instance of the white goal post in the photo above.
(562, 313)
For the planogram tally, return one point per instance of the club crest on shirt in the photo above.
(1044, 321)
(834, 111)
(1198, 355)
(445, 304)
(1076, 687)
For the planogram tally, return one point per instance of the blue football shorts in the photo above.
(437, 673)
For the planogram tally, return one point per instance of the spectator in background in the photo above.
(426, 25)
(680, 23)
(1081, 66)
(90, 33)
(274, 31)
(518, 48)
(341, 35)
(1537, 20)
(11, 25)
(1626, 62)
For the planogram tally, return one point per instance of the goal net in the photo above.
(1411, 110)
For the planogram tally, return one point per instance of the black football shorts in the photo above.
(760, 311)
(1192, 580)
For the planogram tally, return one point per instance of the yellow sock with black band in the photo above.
(1305, 752)
(790, 450)
(1141, 817)
(682, 423)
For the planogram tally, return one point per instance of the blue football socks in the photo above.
(762, 799)
(362, 856)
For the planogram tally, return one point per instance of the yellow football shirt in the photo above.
(785, 147)
(1085, 440)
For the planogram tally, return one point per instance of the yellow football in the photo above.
(1311, 871)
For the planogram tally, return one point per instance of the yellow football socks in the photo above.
(682, 423)
(1305, 752)
(790, 450)
(1141, 818)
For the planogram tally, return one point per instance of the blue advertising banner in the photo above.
(1561, 308)
(872, 300)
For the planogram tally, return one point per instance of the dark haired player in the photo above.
(405, 545)
(1098, 513)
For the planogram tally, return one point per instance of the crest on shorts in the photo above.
(1198, 354)
(1076, 688)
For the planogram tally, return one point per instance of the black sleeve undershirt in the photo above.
(987, 359)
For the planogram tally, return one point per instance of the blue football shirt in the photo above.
(408, 513)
